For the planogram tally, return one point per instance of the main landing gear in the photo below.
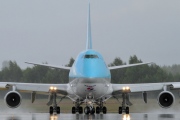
(100, 108)
(125, 102)
(89, 109)
(52, 101)
(92, 110)
(77, 108)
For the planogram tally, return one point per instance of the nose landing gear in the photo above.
(89, 110)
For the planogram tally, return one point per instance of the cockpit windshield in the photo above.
(90, 56)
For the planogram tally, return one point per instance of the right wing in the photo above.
(13, 98)
(52, 66)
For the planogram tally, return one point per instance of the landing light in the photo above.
(126, 88)
(90, 102)
(53, 88)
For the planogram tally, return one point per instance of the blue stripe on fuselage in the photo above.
(89, 67)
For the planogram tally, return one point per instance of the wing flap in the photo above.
(4, 86)
(175, 86)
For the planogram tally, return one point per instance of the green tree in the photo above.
(71, 61)
(12, 73)
(133, 59)
(117, 76)
(139, 74)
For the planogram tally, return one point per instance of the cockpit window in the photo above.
(91, 56)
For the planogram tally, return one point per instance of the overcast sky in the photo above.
(54, 30)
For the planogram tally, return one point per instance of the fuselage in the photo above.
(89, 75)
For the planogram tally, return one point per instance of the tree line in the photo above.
(153, 73)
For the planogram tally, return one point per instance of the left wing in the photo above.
(144, 87)
(165, 98)
(120, 88)
(130, 65)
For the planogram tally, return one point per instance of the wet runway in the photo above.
(46, 116)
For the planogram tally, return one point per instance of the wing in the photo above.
(13, 98)
(165, 98)
(52, 66)
(35, 87)
(145, 87)
(130, 65)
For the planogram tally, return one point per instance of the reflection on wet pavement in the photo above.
(46, 116)
(53, 117)
(126, 117)
(13, 118)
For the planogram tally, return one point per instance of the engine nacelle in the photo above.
(13, 99)
(166, 99)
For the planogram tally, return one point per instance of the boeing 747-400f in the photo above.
(89, 84)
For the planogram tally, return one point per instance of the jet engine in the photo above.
(166, 99)
(13, 99)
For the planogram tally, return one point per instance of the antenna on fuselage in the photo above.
(89, 38)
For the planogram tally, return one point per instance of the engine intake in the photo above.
(166, 99)
(13, 99)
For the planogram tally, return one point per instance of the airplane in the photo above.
(89, 84)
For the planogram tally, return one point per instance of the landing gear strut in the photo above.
(125, 102)
(54, 108)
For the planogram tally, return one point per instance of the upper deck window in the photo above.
(91, 56)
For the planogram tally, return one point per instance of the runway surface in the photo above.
(46, 116)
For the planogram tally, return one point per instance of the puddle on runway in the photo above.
(46, 116)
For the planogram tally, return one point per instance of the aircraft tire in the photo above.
(73, 110)
(127, 110)
(104, 110)
(97, 110)
(80, 110)
(58, 110)
(51, 110)
(120, 110)
(86, 110)
(93, 110)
